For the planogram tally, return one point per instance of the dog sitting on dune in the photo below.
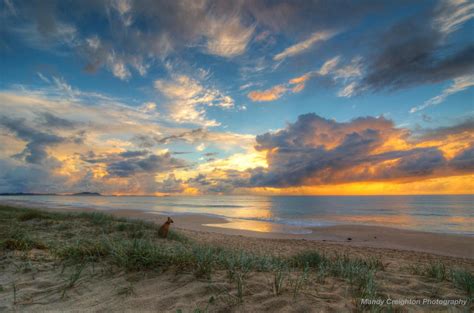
(164, 229)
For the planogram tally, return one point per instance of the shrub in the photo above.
(19, 240)
(204, 261)
(436, 270)
(309, 258)
(464, 280)
(83, 250)
(31, 214)
(139, 254)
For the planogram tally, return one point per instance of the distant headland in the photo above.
(86, 193)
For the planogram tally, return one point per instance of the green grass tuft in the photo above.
(17, 239)
(177, 236)
(83, 250)
(97, 218)
(311, 259)
(463, 280)
(205, 259)
(140, 254)
(436, 270)
(32, 214)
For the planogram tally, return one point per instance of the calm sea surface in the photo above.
(445, 214)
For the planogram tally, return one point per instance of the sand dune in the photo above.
(37, 280)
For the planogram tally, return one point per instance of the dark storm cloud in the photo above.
(466, 126)
(132, 154)
(187, 136)
(139, 33)
(181, 152)
(29, 178)
(37, 141)
(170, 185)
(144, 141)
(52, 121)
(210, 185)
(464, 160)
(191, 136)
(421, 163)
(315, 151)
(299, 16)
(415, 51)
(146, 165)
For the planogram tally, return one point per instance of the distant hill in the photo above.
(26, 194)
(86, 193)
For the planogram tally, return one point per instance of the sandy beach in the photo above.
(401, 254)
(345, 236)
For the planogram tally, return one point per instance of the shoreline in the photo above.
(358, 236)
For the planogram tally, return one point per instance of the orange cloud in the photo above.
(294, 85)
(298, 88)
(300, 79)
(271, 94)
(440, 185)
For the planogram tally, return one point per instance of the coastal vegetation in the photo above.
(74, 242)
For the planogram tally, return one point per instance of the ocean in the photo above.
(293, 214)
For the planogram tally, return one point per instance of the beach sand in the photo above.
(361, 236)
(98, 291)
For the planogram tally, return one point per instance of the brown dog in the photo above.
(164, 229)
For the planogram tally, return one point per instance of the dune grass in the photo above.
(463, 280)
(18, 239)
(77, 239)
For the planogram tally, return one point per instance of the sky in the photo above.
(142, 97)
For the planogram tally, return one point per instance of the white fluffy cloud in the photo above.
(227, 37)
(304, 45)
(188, 99)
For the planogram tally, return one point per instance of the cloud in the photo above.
(36, 141)
(29, 178)
(349, 71)
(465, 160)
(148, 107)
(64, 87)
(201, 147)
(464, 127)
(416, 50)
(140, 165)
(329, 66)
(134, 34)
(227, 37)
(95, 143)
(170, 185)
(348, 91)
(52, 121)
(297, 84)
(290, 17)
(459, 84)
(43, 78)
(452, 14)
(188, 99)
(316, 151)
(304, 45)
(118, 67)
(271, 94)
(62, 37)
